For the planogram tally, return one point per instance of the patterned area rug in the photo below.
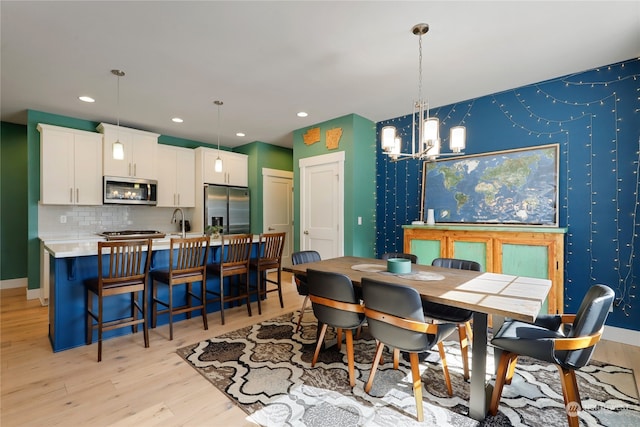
(266, 370)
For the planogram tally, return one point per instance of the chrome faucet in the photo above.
(173, 219)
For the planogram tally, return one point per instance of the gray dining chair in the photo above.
(395, 317)
(565, 340)
(303, 257)
(456, 315)
(335, 304)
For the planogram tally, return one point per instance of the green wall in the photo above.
(13, 201)
(263, 155)
(358, 142)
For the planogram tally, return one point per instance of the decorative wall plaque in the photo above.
(333, 138)
(311, 136)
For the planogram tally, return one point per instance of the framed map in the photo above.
(505, 187)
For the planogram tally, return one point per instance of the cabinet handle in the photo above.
(77, 195)
(129, 169)
(70, 195)
(178, 199)
(174, 199)
(134, 169)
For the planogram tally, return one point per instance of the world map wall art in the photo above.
(518, 187)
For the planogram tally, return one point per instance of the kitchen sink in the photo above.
(132, 234)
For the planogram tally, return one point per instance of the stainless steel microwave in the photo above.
(130, 191)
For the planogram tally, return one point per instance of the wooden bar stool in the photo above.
(269, 258)
(187, 265)
(235, 253)
(126, 272)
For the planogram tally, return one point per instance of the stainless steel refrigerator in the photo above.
(228, 207)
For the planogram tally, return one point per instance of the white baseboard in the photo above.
(621, 335)
(13, 283)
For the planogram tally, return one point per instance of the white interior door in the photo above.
(277, 207)
(322, 204)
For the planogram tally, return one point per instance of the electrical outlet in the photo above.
(63, 219)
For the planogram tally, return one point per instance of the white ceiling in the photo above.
(267, 60)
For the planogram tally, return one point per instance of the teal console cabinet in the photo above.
(518, 250)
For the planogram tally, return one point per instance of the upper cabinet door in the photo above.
(235, 168)
(70, 166)
(139, 152)
(176, 177)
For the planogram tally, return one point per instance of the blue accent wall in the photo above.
(594, 117)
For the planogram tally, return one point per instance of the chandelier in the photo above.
(425, 130)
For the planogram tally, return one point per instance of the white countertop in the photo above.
(88, 246)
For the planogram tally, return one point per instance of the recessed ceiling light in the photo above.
(302, 114)
(86, 99)
(240, 134)
(177, 120)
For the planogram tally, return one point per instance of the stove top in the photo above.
(131, 234)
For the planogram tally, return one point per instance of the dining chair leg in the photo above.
(203, 301)
(464, 348)
(374, 367)
(189, 298)
(323, 330)
(145, 318)
(170, 312)
(396, 358)
(304, 306)
(280, 287)
(132, 302)
(350, 358)
(339, 338)
(512, 369)
(222, 299)
(89, 318)
(246, 282)
(260, 279)
(417, 384)
(506, 359)
(99, 329)
(570, 394)
(445, 367)
(154, 303)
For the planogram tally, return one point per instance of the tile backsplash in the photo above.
(73, 222)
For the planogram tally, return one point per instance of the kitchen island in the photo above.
(72, 261)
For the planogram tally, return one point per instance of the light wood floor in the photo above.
(133, 385)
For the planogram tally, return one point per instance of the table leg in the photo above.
(479, 388)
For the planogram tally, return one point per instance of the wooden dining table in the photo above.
(499, 295)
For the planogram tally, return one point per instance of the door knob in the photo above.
(271, 229)
(306, 231)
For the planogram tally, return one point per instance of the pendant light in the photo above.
(425, 137)
(117, 149)
(218, 164)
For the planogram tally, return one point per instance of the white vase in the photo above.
(431, 220)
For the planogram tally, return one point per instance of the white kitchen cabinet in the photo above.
(139, 152)
(70, 166)
(235, 168)
(176, 176)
